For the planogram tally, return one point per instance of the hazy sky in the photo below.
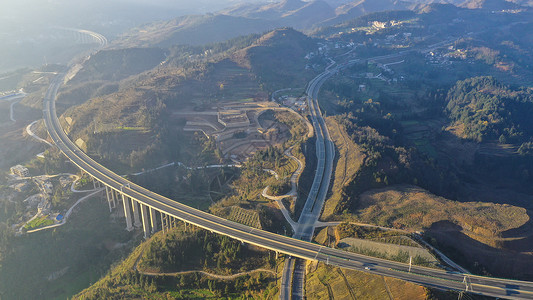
(28, 34)
(95, 13)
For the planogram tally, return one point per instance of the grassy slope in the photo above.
(485, 238)
(124, 281)
(349, 159)
(414, 208)
(327, 282)
(278, 58)
(324, 281)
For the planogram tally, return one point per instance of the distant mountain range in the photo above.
(193, 30)
(295, 13)
(257, 17)
(307, 14)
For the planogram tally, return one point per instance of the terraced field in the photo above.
(244, 216)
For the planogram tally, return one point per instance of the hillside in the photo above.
(128, 124)
(308, 15)
(115, 65)
(328, 30)
(328, 282)
(247, 18)
(278, 58)
(101, 73)
(490, 4)
(469, 232)
(273, 11)
(488, 110)
(193, 30)
(294, 13)
(202, 265)
(356, 9)
(409, 207)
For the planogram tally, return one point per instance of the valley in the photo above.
(411, 144)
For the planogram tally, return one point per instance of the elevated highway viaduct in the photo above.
(146, 209)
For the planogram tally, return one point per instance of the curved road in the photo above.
(291, 246)
(325, 152)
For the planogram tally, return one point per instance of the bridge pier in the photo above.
(96, 183)
(108, 198)
(136, 213)
(127, 212)
(114, 197)
(145, 221)
(164, 222)
(163, 226)
(153, 220)
(173, 222)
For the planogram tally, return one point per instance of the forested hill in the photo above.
(126, 123)
(490, 110)
(278, 58)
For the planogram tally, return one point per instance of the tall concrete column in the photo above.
(108, 197)
(163, 222)
(146, 220)
(127, 212)
(117, 197)
(136, 213)
(113, 196)
(167, 223)
(153, 219)
(174, 222)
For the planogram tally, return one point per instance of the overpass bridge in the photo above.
(152, 212)
(83, 36)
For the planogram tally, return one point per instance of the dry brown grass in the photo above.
(411, 207)
(458, 130)
(327, 282)
(388, 250)
(349, 160)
